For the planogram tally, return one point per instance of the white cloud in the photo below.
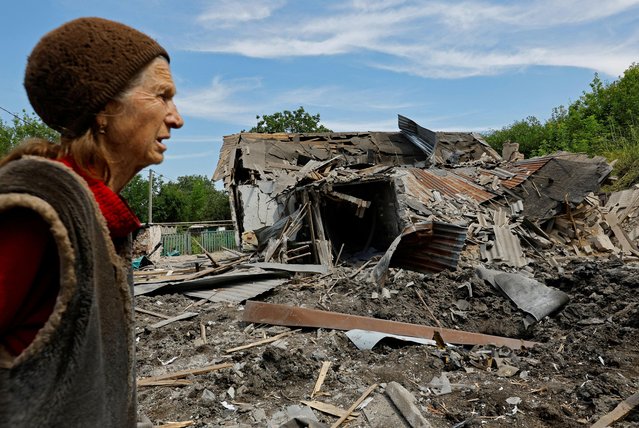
(223, 13)
(219, 101)
(238, 101)
(433, 38)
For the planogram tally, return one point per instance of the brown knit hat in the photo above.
(77, 68)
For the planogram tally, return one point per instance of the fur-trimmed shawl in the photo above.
(79, 370)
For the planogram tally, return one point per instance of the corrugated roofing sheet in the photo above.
(430, 250)
(445, 182)
(523, 170)
(423, 138)
(425, 247)
(238, 292)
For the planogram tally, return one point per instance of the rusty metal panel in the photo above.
(430, 251)
(270, 313)
(523, 170)
(445, 182)
(425, 247)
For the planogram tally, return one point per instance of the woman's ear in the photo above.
(101, 122)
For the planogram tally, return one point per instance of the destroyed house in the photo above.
(414, 194)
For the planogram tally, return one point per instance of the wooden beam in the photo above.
(206, 253)
(185, 315)
(320, 379)
(176, 424)
(168, 382)
(329, 409)
(619, 412)
(155, 314)
(183, 373)
(292, 316)
(262, 342)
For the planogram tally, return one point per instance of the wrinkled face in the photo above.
(138, 123)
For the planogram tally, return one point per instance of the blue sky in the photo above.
(448, 65)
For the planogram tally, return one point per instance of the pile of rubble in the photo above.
(414, 237)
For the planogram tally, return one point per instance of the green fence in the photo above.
(218, 240)
(211, 240)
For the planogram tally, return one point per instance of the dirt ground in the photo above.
(585, 365)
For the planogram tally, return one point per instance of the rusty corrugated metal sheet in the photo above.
(425, 247)
(523, 170)
(445, 182)
(431, 249)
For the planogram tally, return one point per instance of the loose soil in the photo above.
(585, 365)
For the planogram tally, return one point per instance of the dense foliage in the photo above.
(297, 121)
(603, 121)
(190, 198)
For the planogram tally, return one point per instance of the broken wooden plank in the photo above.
(354, 406)
(183, 373)
(203, 333)
(271, 313)
(155, 314)
(329, 409)
(185, 315)
(620, 234)
(262, 342)
(320, 379)
(360, 204)
(619, 412)
(176, 424)
(206, 253)
(168, 382)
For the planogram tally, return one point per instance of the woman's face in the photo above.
(141, 120)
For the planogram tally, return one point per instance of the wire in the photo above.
(13, 114)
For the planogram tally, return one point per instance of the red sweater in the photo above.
(29, 265)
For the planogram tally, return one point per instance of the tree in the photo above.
(191, 198)
(603, 121)
(297, 121)
(12, 133)
(136, 194)
(529, 133)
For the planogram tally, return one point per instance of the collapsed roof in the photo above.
(415, 194)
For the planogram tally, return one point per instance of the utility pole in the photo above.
(150, 220)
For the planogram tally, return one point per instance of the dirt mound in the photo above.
(585, 364)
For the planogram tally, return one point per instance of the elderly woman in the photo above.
(66, 326)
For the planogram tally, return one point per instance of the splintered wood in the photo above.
(619, 412)
(354, 406)
(262, 342)
(147, 381)
(320, 379)
(330, 409)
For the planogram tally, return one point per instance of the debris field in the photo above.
(407, 279)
